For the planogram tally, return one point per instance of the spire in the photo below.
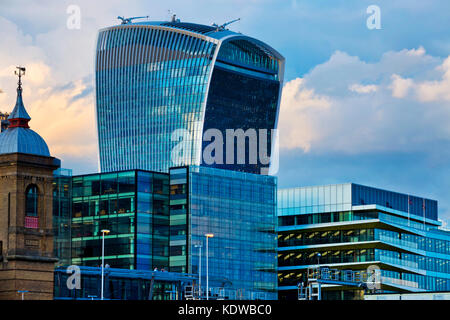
(19, 116)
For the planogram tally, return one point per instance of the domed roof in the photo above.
(18, 137)
(22, 140)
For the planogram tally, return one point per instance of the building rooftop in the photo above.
(220, 33)
(22, 140)
(216, 32)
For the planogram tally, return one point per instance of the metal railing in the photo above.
(329, 275)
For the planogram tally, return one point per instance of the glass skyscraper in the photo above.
(153, 78)
(354, 227)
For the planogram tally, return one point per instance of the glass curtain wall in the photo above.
(150, 81)
(62, 214)
(239, 210)
(133, 205)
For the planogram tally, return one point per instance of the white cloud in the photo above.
(359, 88)
(424, 90)
(407, 108)
(420, 52)
(400, 87)
(298, 105)
(438, 90)
(66, 124)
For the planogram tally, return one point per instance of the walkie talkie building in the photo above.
(155, 78)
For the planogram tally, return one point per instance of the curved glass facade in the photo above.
(228, 107)
(149, 82)
(155, 78)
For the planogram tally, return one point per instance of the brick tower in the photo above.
(26, 233)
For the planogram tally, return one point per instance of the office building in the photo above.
(134, 206)
(154, 79)
(159, 220)
(354, 228)
(239, 211)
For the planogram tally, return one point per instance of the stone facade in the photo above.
(26, 250)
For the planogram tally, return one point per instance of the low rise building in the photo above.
(393, 239)
(217, 224)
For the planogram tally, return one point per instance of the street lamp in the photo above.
(104, 231)
(318, 258)
(22, 292)
(199, 246)
(208, 235)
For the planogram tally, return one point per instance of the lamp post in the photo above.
(208, 235)
(104, 231)
(199, 246)
(22, 292)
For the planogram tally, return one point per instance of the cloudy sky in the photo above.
(359, 105)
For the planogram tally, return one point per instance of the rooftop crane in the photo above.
(222, 27)
(128, 20)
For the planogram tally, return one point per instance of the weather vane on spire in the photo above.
(20, 72)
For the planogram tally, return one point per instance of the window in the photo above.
(31, 201)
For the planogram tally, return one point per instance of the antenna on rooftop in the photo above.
(222, 27)
(129, 20)
(173, 18)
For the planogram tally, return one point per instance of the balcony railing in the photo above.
(401, 242)
(405, 263)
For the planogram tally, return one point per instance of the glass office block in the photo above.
(239, 210)
(353, 227)
(134, 207)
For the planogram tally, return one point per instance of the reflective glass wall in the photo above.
(305, 200)
(341, 197)
(62, 214)
(133, 206)
(155, 79)
(418, 206)
(122, 284)
(239, 210)
(150, 81)
(238, 100)
(244, 94)
(338, 226)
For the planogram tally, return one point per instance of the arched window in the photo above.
(31, 201)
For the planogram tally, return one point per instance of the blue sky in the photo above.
(359, 105)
